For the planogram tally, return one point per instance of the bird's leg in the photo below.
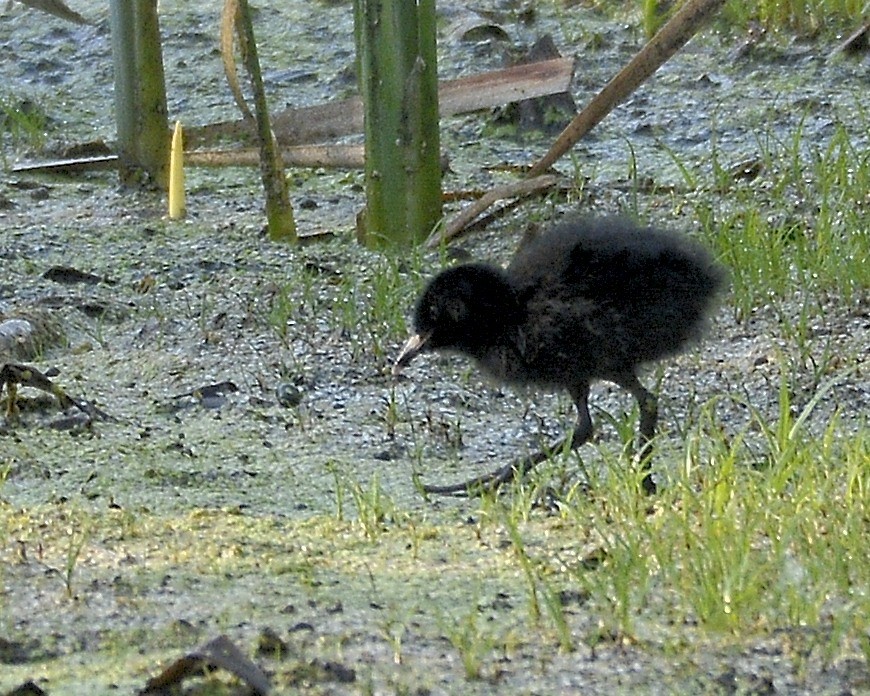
(649, 412)
(519, 468)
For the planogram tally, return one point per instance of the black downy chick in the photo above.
(591, 299)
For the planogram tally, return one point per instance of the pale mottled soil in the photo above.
(235, 515)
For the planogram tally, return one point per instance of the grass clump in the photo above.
(769, 548)
(802, 224)
(22, 121)
(797, 16)
(474, 644)
(365, 306)
(737, 548)
(801, 17)
(374, 507)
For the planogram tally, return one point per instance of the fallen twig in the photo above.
(669, 39)
(660, 48)
(13, 375)
(468, 214)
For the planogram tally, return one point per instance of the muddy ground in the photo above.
(240, 509)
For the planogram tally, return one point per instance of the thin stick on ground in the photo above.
(468, 214)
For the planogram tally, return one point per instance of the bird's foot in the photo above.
(648, 484)
(488, 483)
(643, 461)
(477, 485)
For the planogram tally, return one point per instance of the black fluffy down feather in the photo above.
(591, 299)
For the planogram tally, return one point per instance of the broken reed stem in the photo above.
(279, 212)
(660, 48)
(467, 215)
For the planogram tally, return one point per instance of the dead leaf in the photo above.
(219, 652)
(56, 8)
(28, 688)
(471, 26)
(67, 275)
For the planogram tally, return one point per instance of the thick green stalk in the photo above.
(154, 137)
(140, 92)
(399, 86)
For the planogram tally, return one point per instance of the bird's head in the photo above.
(468, 309)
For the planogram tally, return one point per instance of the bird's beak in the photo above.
(409, 351)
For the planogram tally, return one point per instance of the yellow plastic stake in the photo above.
(176, 175)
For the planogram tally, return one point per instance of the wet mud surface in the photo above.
(254, 418)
